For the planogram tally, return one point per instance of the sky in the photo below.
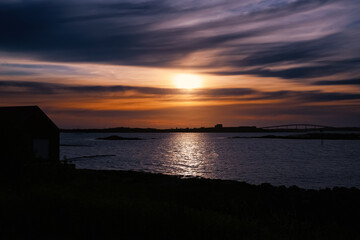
(99, 64)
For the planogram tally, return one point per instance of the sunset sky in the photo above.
(167, 63)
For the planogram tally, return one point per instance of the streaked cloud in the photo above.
(42, 88)
(148, 105)
(339, 82)
(251, 37)
(307, 49)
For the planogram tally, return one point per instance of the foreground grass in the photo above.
(92, 204)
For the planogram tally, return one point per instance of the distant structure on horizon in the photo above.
(27, 136)
(297, 126)
(219, 125)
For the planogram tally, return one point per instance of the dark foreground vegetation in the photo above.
(87, 204)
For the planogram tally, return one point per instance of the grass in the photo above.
(89, 204)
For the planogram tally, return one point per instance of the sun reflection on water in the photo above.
(187, 154)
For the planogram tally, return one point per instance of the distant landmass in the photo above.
(320, 135)
(217, 128)
(117, 138)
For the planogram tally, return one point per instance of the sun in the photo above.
(188, 81)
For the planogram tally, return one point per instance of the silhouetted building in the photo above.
(27, 136)
(218, 126)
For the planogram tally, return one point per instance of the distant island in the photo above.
(117, 138)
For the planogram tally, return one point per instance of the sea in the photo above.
(309, 164)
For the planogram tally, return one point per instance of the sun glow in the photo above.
(188, 81)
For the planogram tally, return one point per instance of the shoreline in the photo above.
(200, 178)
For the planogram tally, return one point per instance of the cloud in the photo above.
(36, 66)
(315, 55)
(43, 88)
(11, 88)
(30, 69)
(339, 82)
(16, 73)
(250, 37)
(121, 105)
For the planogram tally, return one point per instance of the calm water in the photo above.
(305, 163)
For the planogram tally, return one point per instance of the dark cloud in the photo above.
(15, 87)
(292, 73)
(316, 55)
(11, 88)
(339, 82)
(133, 33)
(299, 51)
(16, 73)
(117, 33)
(37, 66)
(299, 72)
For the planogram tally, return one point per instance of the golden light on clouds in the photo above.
(187, 81)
